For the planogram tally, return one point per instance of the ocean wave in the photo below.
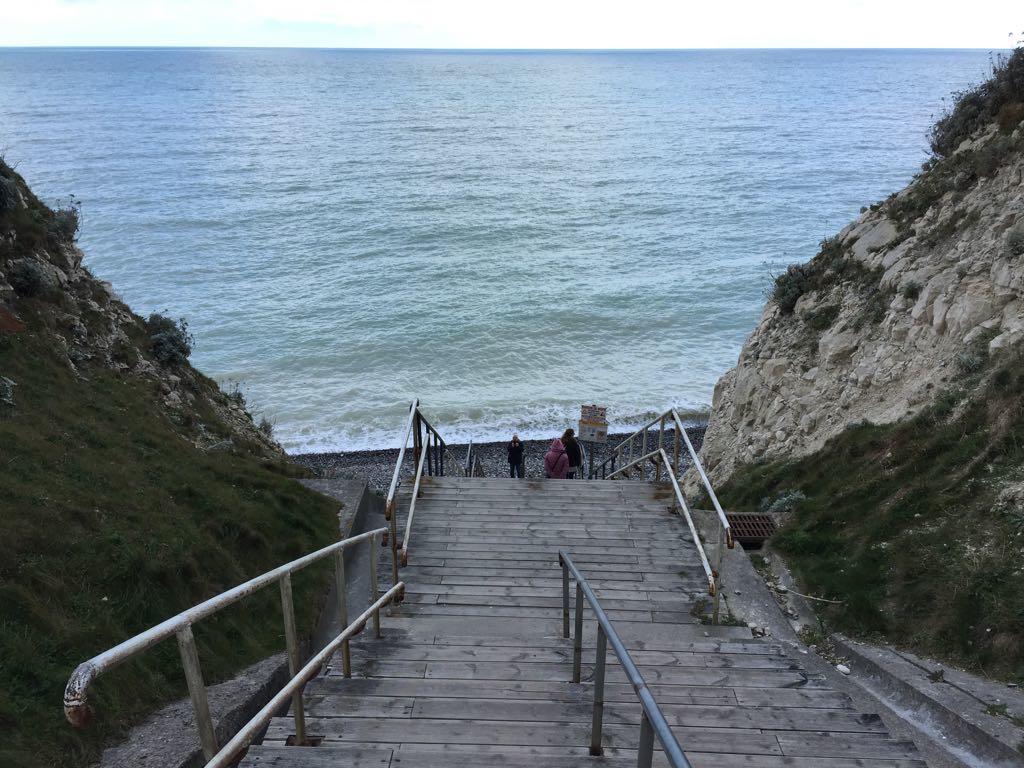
(536, 424)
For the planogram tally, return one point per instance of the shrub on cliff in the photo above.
(27, 278)
(170, 341)
(791, 285)
(998, 98)
(66, 221)
(8, 194)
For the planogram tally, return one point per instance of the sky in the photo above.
(989, 24)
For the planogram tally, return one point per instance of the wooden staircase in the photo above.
(473, 671)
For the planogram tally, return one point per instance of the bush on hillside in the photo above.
(66, 221)
(1001, 98)
(911, 290)
(27, 278)
(8, 194)
(170, 341)
(791, 285)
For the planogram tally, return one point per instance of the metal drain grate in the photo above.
(751, 530)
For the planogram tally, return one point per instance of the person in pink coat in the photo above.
(556, 460)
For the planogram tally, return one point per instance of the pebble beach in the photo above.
(377, 466)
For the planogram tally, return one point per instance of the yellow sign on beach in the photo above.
(593, 423)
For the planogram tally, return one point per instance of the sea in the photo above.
(505, 235)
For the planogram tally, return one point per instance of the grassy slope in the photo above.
(111, 521)
(901, 523)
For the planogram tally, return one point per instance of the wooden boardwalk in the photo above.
(472, 670)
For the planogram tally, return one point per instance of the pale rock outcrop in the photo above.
(923, 294)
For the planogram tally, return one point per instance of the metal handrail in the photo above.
(704, 479)
(602, 469)
(404, 552)
(428, 447)
(472, 467)
(608, 470)
(634, 463)
(680, 501)
(229, 752)
(652, 721)
(76, 706)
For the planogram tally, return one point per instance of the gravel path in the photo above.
(377, 467)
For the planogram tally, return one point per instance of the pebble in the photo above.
(843, 668)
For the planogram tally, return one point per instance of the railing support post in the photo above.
(197, 690)
(341, 588)
(720, 557)
(577, 642)
(598, 718)
(374, 592)
(417, 437)
(643, 452)
(291, 637)
(565, 600)
(645, 752)
(393, 541)
(661, 446)
(675, 449)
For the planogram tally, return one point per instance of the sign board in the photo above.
(593, 424)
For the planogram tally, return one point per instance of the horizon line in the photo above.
(171, 46)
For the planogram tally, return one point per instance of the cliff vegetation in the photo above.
(131, 487)
(877, 407)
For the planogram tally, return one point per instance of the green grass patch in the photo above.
(113, 521)
(898, 523)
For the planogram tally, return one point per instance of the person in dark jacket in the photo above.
(516, 460)
(574, 451)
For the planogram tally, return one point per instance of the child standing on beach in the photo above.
(516, 461)
(556, 461)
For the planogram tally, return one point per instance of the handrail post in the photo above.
(374, 592)
(645, 752)
(643, 452)
(565, 599)
(417, 438)
(291, 637)
(341, 588)
(720, 558)
(675, 450)
(598, 718)
(661, 447)
(197, 690)
(577, 642)
(393, 541)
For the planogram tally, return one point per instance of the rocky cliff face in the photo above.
(44, 288)
(917, 293)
